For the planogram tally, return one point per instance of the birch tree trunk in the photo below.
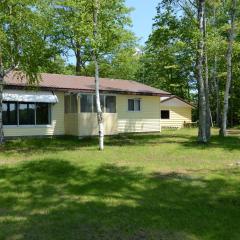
(216, 85)
(231, 37)
(202, 133)
(95, 59)
(215, 76)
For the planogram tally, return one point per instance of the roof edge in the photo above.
(18, 86)
(182, 100)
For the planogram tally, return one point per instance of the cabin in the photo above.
(65, 105)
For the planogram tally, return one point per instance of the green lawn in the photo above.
(160, 186)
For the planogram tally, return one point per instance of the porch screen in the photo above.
(88, 103)
(70, 103)
(110, 104)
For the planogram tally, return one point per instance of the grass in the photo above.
(159, 186)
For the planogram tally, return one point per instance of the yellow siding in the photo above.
(56, 128)
(178, 115)
(147, 120)
(71, 124)
(88, 124)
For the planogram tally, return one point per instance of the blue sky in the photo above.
(142, 17)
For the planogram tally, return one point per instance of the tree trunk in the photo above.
(1, 104)
(206, 83)
(78, 59)
(202, 133)
(95, 58)
(216, 79)
(231, 37)
(78, 64)
(1, 99)
(216, 87)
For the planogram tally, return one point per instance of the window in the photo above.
(10, 113)
(66, 103)
(102, 102)
(86, 103)
(110, 104)
(165, 114)
(134, 105)
(70, 103)
(42, 113)
(15, 113)
(26, 113)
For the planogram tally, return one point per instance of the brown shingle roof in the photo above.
(81, 83)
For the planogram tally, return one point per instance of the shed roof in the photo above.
(180, 99)
(82, 83)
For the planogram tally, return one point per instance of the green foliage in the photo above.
(169, 59)
(24, 37)
(122, 64)
(168, 62)
(74, 29)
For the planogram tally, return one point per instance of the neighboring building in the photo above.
(64, 105)
(175, 112)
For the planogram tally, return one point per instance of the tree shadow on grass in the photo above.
(56, 144)
(33, 145)
(228, 143)
(53, 199)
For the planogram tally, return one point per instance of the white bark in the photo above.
(216, 88)
(231, 38)
(95, 58)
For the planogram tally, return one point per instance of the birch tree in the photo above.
(231, 37)
(24, 42)
(109, 19)
(96, 7)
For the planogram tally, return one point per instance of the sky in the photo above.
(142, 17)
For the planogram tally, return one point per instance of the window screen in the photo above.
(26, 113)
(137, 104)
(165, 114)
(130, 104)
(102, 102)
(70, 103)
(110, 104)
(15, 113)
(9, 113)
(43, 113)
(73, 102)
(67, 103)
(86, 103)
(134, 105)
